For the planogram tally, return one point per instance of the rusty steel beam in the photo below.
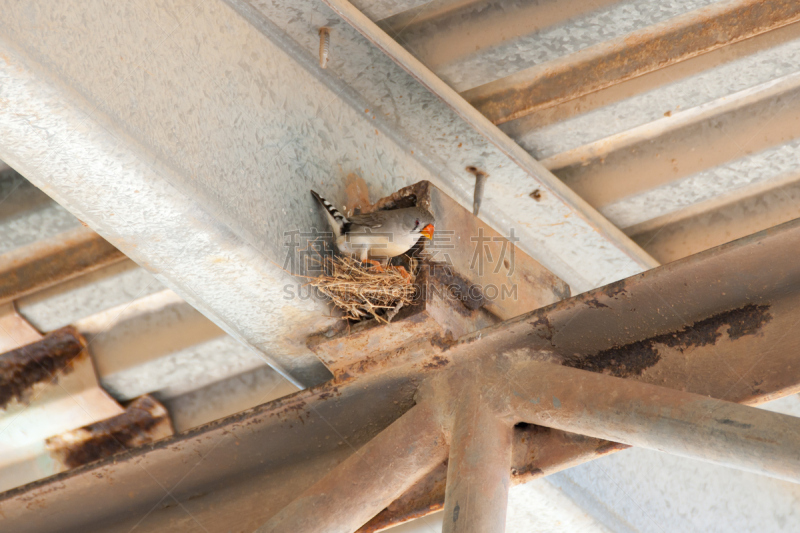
(479, 469)
(649, 416)
(368, 480)
(627, 57)
(234, 473)
(46, 263)
(480, 393)
(691, 325)
(424, 497)
(689, 345)
(486, 395)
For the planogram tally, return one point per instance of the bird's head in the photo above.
(420, 222)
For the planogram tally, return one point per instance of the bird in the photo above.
(381, 234)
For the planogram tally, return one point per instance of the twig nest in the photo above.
(362, 291)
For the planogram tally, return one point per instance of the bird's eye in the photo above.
(416, 224)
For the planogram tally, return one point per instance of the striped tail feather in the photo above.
(337, 220)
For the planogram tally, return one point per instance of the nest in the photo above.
(362, 291)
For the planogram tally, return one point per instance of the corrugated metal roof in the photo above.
(681, 156)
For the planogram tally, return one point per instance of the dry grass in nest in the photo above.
(361, 291)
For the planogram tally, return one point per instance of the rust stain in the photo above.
(621, 361)
(748, 323)
(445, 342)
(594, 303)
(549, 330)
(333, 393)
(134, 427)
(40, 362)
(436, 363)
(297, 409)
(525, 451)
(356, 193)
(561, 291)
(634, 358)
(733, 423)
(615, 289)
(527, 471)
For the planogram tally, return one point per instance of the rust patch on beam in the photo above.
(144, 421)
(525, 452)
(23, 368)
(636, 357)
(43, 264)
(624, 58)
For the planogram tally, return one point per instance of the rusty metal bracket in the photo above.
(473, 278)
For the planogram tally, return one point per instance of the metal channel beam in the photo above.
(692, 325)
(627, 57)
(160, 344)
(142, 338)
(118, 170)
(15, 331)
(436, 33)
(221, 205)
(710, 224)
(508, 36)
(741, 73)
(545, 181)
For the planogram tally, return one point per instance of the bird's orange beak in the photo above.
(428, 231)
